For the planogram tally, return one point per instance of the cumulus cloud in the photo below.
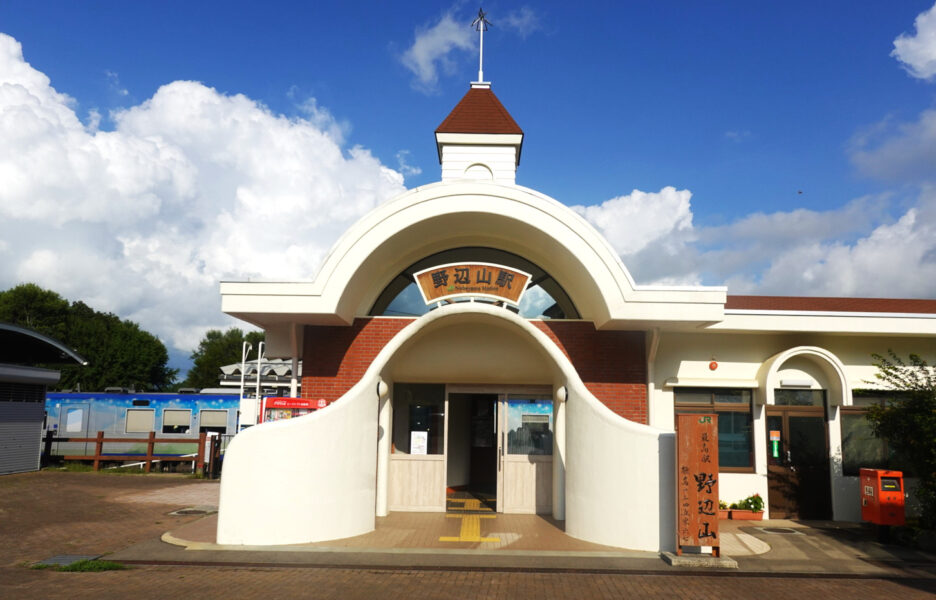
(651, 231)
(917, 53)
(433, 48)
(894, 260)
(631, 222)
(854, 250)
(191, 187)
(898, 151)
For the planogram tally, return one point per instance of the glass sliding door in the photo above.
(525, 453)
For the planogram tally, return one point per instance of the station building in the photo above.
(475, 334)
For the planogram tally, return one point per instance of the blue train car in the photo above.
(135, 415)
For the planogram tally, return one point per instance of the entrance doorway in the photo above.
(471, 470)
(490, 445)
(798, 478)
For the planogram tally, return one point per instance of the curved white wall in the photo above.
(321, 469)
(303, 480)
(620, 477)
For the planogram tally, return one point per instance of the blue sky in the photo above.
(774, 147)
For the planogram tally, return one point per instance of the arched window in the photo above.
(544, 297)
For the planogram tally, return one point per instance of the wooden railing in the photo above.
(198, 459)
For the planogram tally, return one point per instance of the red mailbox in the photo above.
(882, 497)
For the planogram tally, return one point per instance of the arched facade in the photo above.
(582, 408)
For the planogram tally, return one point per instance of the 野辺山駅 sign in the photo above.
(483, 280)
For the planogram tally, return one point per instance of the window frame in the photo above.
(152, 427)
(721, 407)
(882, 397)
(188, 426)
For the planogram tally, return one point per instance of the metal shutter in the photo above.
(20, 436)
(140, 420)
(213, 418)
(175, 417)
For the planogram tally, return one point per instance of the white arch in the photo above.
(831, 365)
(322, 469)
(448, 215)
(839, 394)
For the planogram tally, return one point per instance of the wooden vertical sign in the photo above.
(697, 481)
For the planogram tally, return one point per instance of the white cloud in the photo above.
(898, 151)
(918, 52)
(896, 260)
(651, 231)
(113, 81)
(737, 135)
(403, 161)
(854, 250)
(523, 20)
(432, 50)
(191, 187)
(633, 221)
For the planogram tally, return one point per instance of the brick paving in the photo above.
(42, 514)
(327, 583)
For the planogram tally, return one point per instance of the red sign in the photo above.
(288, 403)
(697, 481)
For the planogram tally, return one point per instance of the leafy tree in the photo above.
(30, 306)
(214, 351)
(909, 424)
(119, 353)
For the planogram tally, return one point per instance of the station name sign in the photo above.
(460, 280)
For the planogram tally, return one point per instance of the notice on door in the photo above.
(697, 481)
(419, 442)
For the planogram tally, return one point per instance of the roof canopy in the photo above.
(19, 345)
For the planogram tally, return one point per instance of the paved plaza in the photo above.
(126, 518)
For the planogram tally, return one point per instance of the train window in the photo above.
(177, 421)
(140, 420)
(212, 421)
(74, 418)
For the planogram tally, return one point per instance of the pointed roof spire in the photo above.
(481, 24)
(479, 111)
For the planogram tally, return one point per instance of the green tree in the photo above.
(119, 353)
(909, 424)
(30, 306)
(214, 351)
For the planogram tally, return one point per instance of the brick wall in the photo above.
(611, 363)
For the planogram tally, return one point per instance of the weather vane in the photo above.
(481, 24)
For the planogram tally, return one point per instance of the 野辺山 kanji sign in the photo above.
(483, 280)
(697, 481)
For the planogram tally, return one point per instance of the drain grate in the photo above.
(781, 530)
(63, 560)
(195, 510)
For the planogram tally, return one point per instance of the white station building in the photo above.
(477, 334)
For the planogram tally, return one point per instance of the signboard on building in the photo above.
(697, 481)
(460, 280)
(279, 408)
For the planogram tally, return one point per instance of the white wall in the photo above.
(303, 480)
(741, 358)
(620, 477)
(501, 161)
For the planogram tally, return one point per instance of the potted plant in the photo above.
(723, 512)
(749, 509)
